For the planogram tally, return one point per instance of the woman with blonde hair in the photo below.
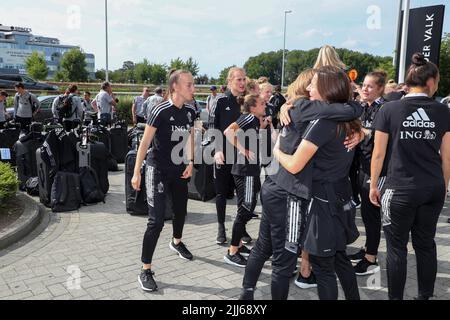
(329, 57)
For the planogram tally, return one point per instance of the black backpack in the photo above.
(90, 186)
(66, 192)
(65, 106)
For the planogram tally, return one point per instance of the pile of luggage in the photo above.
(65, 169)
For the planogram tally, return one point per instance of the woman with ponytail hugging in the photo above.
(286, 195)
(414, 134)
(244, 136)
(164, 174)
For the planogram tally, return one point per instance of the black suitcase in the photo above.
(45, 180)
(99, 157)
(8, 137)
(93, 156)
(136, 202)
(66, 192)
(201, 185)
(119, 143)
(26, 158)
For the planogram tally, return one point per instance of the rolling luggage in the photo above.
(66, 192)
(136, 201)
(201, 185)
(119, 142)
(45, 178)
(25, 150)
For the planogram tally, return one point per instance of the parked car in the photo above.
(44, 113)
(7, 81)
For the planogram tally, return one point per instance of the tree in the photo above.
(142, 71)
(36, 66)
(158, 74)
(176, 64)
(128, 65)
(265, 65)
(73, 67)
(389, 67)
(223, 77)
(190, 65)
(444, 67)
(202, 79)
(100, 75)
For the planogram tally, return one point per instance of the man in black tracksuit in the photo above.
(227, 111)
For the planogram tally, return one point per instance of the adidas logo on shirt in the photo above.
(228, 109)
(172, 119)
(419, 119)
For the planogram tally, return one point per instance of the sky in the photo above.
(217, 34)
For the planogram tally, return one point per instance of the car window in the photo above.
(47, 103)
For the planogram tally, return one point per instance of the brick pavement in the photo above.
(103, 243)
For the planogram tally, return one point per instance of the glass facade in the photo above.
(17, 46)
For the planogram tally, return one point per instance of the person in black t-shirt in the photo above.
(244, 135)
(372, 97)
(285, 196)
(415, 134)
(227, 111)
(164, 174)
(277, 100)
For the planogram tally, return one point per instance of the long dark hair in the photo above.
(334, 86)
(420, 71)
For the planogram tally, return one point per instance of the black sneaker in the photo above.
(146, 281)
(357, 257)
(247, 295)
(221, 235)
(296, 271)
(235, 260)
(244, 251)
(306, 283)
(246, 239)
(182, 251)
(365, 267)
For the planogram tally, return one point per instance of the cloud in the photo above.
(350, 43)
(265, 32)
(312, 33)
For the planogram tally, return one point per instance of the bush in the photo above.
(8, 182)
(124, 108)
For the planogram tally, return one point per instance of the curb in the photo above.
(24, 225)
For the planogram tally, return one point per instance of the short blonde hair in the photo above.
(234, 70)
(329, 57)
(265, 85)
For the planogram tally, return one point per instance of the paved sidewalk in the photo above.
(102, 244)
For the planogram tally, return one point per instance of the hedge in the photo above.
(8, 182)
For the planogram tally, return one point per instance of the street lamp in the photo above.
(284, 47)
(106, 31)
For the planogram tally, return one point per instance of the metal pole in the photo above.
(284, 48)
(404, 47)
(106, 31)
(399, 33)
